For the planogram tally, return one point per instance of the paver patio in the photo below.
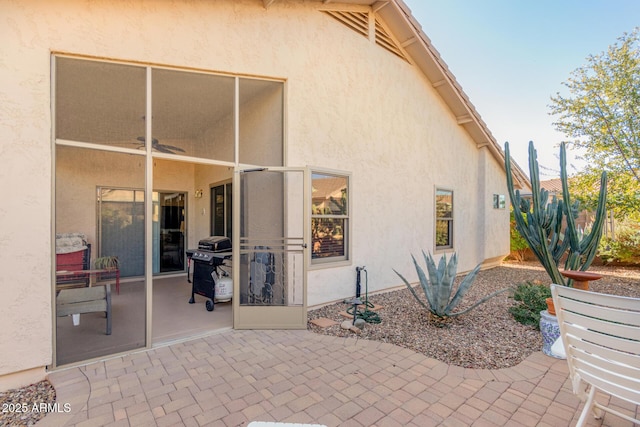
(235, 377)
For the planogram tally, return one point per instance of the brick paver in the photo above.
(235, 377)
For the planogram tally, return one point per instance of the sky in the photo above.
(511, 56)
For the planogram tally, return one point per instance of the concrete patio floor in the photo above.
(235, 377)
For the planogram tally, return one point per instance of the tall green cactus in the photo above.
(542, 228)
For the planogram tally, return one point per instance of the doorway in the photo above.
(121, 229)
(171, 231)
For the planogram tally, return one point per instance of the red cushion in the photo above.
(72, 261)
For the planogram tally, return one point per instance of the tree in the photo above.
(602, 116)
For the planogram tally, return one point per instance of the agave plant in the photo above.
(439, 286)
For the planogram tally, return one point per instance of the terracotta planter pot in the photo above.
(581, 285)
(550, 307)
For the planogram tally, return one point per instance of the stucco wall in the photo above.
(350, 105)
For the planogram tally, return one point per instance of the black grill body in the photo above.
(211, 253)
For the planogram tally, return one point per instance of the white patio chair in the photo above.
(601, 337)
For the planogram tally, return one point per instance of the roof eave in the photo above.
(428, 59)
(424, 55)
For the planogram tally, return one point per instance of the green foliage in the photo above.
(540, 221)
(439, 286)
(106, 262)
(601, 116)
(531, 301)
(625, 247)
(518, 244)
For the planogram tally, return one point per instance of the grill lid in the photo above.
(215, 244)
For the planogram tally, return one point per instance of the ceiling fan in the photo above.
(163, 148)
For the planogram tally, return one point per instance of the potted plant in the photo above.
(540, 222)
(106, 263)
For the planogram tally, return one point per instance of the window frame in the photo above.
(450, 220)
(333, 261)
(227, 195)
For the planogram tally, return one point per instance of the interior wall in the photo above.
(79, 172)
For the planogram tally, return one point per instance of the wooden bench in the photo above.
(601, 337)
(85, 300)
(80, 278)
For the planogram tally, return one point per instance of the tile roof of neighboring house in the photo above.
(553, 186)
(328, 187)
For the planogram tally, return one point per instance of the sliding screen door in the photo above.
(121, 228)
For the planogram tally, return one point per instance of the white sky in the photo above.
(511, 56)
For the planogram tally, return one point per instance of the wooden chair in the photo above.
(601, 336)
(85, 300)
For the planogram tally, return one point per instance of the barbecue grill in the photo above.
(207, 260)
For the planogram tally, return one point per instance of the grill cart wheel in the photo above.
(209, 305)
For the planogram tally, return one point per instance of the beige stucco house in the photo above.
(326, 135)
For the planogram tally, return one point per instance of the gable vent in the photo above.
(384, 39)
(357, 21)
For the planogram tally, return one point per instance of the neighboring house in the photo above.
(148, 126)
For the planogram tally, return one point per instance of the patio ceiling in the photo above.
(124, 86)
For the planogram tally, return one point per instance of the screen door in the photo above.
(269, 249)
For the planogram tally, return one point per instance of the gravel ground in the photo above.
(486, 337)
(21, 407)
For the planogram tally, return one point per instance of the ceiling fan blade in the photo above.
(171, 147)
(143, 139)
(161, 148)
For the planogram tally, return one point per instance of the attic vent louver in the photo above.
(384, 39)
(357, 21)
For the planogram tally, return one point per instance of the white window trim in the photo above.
(316, 264)
(451, 246)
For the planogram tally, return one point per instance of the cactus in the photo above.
(437, 289)
(542, 228)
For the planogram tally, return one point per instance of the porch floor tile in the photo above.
(285, 376)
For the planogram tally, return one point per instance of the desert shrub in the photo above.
(531, 301)
(625, 247)
(518, 244)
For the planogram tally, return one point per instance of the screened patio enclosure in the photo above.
(138, 150)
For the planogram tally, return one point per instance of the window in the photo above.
(499, 201)
(444, 219)
(329, 217)
(221, 213)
